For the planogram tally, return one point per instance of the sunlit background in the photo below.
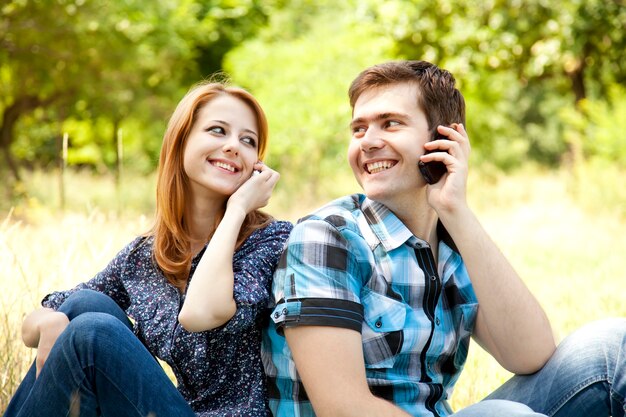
(87, 87)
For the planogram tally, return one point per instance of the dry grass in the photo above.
(571, 259)
(54, 252)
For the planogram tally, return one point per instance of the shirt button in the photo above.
(276, 315)
(378, 324)
(433, 278)
(437, 322)
(284, 311)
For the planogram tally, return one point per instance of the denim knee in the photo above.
(607, 335)
(90, 331)
(90, 301)
(497, 408)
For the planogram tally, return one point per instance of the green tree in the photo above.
(535, 55)
(104, 63)
(300, 67)
(80, 57)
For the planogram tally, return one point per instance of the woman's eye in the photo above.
(216, 129)
(249, 141)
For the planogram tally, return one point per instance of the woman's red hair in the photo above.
(172, 237)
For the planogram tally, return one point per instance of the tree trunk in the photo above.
(11, 164)
(10, 117)
(574, 156)
(577, 78)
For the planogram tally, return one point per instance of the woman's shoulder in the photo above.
(276, 231)
(141, 243)
(274, 227)
(279, 226)
(139, 247)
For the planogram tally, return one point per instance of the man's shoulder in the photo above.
(341, 213)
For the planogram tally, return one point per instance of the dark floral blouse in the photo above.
(219, 371)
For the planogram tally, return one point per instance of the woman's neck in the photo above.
(202, 218)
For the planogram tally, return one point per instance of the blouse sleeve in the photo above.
(107, 281)
(253, 266)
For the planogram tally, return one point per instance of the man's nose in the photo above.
(372, 140)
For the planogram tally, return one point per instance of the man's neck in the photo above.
(419, 217)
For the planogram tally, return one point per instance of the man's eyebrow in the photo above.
(378, 117)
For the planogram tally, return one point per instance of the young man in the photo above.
(377, 295)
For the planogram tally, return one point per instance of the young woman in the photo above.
(195, 286)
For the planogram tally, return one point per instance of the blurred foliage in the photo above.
(543, 83)
(518, 63)
(601, 128)
(92, 66)
(299, 69)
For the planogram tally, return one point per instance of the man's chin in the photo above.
(375, 194)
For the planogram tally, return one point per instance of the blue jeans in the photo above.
(586, 376)
(97, 367)
(497, 408)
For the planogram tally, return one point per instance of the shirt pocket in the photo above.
(383, 330)
(465, 317)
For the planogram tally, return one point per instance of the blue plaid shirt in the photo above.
(354, 264)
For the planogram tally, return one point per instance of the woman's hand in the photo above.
(256, 191)
(50, 327)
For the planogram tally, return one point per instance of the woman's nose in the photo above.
(231, 146)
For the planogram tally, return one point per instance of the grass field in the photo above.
(570, 257)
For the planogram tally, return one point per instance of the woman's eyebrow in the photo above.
(228, 124)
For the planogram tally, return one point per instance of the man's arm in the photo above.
(511, 325)
(330, 363)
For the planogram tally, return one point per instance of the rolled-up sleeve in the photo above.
(320, 277)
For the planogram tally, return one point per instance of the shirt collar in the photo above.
(387, 228)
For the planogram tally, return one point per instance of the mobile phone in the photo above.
(434, 170)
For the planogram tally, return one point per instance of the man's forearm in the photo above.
(511, 324)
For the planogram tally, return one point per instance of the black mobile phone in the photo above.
(434, 170)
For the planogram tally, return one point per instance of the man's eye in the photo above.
(216, 129)
(249, 141)
(392, 123)
(358, 131)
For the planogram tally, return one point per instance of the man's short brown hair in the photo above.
(438, 98)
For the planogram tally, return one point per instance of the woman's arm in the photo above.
(42, 327)
(209, 302)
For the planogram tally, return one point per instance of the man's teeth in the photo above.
(379, 166)
(224, 166)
